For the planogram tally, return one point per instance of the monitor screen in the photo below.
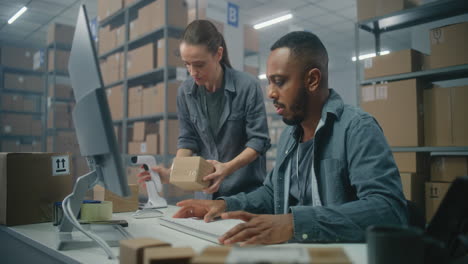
(91, 115)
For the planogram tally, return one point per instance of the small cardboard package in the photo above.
(188, 172)
(131, 250)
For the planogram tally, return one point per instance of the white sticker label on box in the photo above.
(368, 94)
(381, 92)
(143, 147)
(268, 255)
(437, 36)
(368, 63)
(60, 165)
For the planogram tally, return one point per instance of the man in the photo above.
(334, 174)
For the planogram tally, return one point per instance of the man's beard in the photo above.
(297, 108)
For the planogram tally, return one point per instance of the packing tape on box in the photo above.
(96, 211)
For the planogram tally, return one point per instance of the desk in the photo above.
(36, 243)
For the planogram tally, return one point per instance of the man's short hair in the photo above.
(306, 47)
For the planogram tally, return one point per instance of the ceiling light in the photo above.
(273, 21)
(18, 14)
(370, 55)
(262, 76)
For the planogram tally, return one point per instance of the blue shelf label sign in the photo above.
(233, 14)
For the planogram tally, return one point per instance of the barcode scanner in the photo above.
(153, 187)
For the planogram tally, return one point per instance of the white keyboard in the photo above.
(197, 227)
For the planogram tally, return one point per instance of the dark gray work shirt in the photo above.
(300, 190)
(212, 105)
(242, 124)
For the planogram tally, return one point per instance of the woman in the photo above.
(222, 115)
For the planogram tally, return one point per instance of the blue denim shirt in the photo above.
(243, 124)
(358, 182)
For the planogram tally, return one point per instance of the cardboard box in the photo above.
(142, 128)
(58, 60)
(135, 101)
(108, 7)
(188, 172)
(119, 204)
(367, 9)
(17, 57)
(448, 45)
(60, 34)
(12, 102)
(29, 105)
(59, 116)
(30, 184)
(446, 169)
(172, 51)
(152, 16)
(131, 250)
(172, 135)
(438, 117)
(251, 39)
(60, 91)
(397, 106)
(154, 99)
(459, 110)
(444, 121)
(115, 99)
(16, 124)
(317, 255)
(413, 187)
(152, 144)
(23, 82)
(435, 192)
(168, 255)
(396, 62)
(412, 162)
(141, 60)
(252, 70)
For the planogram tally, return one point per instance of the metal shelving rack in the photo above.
(51, 79)
(7, 90)
(159, 75)
(408, 18)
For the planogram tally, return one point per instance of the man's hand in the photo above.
(206, 209)
(146, 176)
(222, 170)
(258, 229)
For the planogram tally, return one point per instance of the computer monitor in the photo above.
(93, 125)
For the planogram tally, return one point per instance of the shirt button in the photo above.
(304, 236)
(286, 152)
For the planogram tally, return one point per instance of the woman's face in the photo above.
(202, 65)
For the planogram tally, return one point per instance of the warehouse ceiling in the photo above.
(332, 20)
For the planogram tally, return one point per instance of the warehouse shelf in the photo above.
(435, 151)
(433, 75)
(59, 46)
(415, 16)
(20, 71)
(61, 100)
(59, 73)
(20, 137)
(21, 92)
(157, 34)
(163, 75)
(248, 53)
(426, 13)
(120, 15)
(21, 112)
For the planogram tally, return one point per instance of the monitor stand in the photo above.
(112, 234)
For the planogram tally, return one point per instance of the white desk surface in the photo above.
(46, 235)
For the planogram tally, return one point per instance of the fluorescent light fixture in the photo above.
(262, 76)
(273, 21)
(370, 55)
(18, 14)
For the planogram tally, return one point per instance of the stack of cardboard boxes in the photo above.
(413, 113)
(21, 100)
(147, 51)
